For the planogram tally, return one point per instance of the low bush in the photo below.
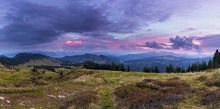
(17, 90)
(81, 101)
(211, 98)
(202, 78)
(129, 90)
(174, 78)
(152, 93)
(148, 85)
(213, 83)
(214, 80)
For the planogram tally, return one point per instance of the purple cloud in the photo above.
(210, 41)
(176, 43)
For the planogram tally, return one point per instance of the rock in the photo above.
(2, 98)
(8, 101)
(32, 108)
(22, 103)
(52, 96)
(61, 96)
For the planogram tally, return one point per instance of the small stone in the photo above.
(52, 96)
(8, 101)
(2, 98)
(61, 97)
(22, 103)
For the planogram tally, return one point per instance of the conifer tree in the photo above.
(210, 64)
(183, 70)
(121, 68)
(128, 69)
(189, 68)
(156, 70)
(216, 59)
(170, 69)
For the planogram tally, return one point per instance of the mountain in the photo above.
(100, 59)
(136, 62)
(162, 62)
(155, 54)
(30, 59)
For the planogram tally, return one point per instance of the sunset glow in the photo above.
(73, 42)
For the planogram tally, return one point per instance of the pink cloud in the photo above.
(70, 43)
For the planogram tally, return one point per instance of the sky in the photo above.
(114, 26)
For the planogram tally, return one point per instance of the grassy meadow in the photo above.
(80, 88)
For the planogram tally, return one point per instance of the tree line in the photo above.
(213, 63)
(113, 66)
(152, 69)
(171, 69)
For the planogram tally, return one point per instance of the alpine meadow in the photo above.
(109, 54)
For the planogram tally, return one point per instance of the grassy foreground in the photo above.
(97, 89)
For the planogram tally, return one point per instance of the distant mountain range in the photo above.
(136, 62)
(25, 58)
(162, 62)
(100, 59)
(156, 54)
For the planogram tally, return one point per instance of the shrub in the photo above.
(202, 78)
(214, 80)
(148, 85)
(211, 98)
(152, 93)
(174, 78)
(82, 100)
(213, 83)
(17, 90)
(129, 90)
(172, 83)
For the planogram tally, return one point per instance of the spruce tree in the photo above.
(156, 70)
(183, 70)
(210, 64)
(147, 70)
(121, 68)
(128, 69)
(170, 69)
(216, 59)
(189, 68)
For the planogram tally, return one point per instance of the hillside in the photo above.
(100, 59)
(162, 62)
(130, 57)
(95, 89)
(30, 59)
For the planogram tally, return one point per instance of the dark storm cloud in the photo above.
(30, 23)
(176, 43)
(36, 24)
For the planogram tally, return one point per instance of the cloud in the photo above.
(210, 41)
(155, 45)
(128, 47)
(175, 43)
(183, 42)
(31, 24)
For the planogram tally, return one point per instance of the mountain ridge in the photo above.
(135, 65)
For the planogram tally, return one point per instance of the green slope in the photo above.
(97, 89)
